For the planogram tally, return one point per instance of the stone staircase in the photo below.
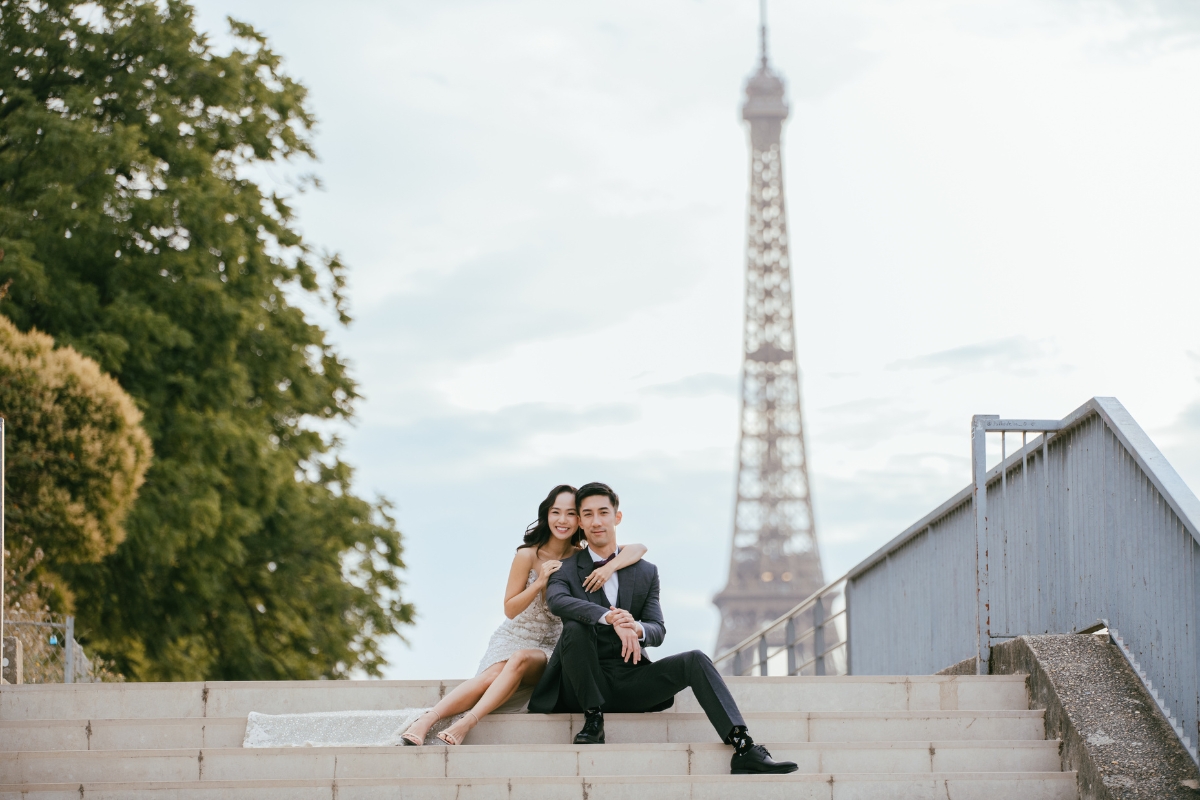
(854, 738)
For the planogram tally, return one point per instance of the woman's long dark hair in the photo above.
(538, 533)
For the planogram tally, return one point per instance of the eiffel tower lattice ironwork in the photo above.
(774, 562)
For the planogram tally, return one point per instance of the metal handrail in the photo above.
(813, 660)
(779, 648)
(762, 662)
(1096, 515)
(803, 605)
(766, 651)
(1164, 478)
(813, 629)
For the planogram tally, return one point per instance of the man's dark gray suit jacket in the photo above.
(637, 593)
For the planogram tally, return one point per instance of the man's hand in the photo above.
(619, 616)
(629, 643)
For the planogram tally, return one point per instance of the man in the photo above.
(599, 663)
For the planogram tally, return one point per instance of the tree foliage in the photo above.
(134, 233)
(75, 454)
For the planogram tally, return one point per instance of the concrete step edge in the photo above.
(862, 777)
(424, 683)
(1000, 713)
(401, 752)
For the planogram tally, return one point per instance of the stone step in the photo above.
(816, 726)
(238, 698)
(511, 760)
(797, 786)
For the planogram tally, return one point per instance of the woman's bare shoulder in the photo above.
(525, 557)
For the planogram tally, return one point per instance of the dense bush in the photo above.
(75, 456)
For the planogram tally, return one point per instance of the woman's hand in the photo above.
(598, 578)
(549, 568)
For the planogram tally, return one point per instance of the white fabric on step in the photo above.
(352, 728)
(333, 728)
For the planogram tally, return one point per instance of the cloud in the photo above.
(1171, 13)
(1180, 443)
(866, 422)
(1015, 354)
(858, 513)
(542, 288)
(1149, 25)
(470, 443)
(701, 384)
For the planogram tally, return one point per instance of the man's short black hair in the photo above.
(596, 490)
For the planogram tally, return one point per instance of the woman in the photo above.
(517, 653)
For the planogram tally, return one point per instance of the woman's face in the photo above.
(563, 519)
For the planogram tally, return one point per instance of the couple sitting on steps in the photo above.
(578, 619)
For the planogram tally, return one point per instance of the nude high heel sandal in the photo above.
(449, 738)
(410, 739)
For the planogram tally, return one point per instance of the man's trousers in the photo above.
(594, 676)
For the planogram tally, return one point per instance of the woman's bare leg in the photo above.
(460, 699)
(523, 668)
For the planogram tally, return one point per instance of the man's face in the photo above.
(599, 521)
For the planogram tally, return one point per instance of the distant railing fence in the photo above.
(1085, 521)
(808, 640)
(50, 653)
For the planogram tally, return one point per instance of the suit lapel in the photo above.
(583, 562)
(625, 580)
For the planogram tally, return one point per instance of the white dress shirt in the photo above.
(610, 591)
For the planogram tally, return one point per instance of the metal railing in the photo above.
(50, 652)
(808, 640)
(1131, 659)
(1085, 520)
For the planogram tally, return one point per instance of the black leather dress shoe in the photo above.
(757, 761)
(592, 731)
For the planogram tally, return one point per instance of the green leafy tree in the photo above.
(134, 233)
(75, 454)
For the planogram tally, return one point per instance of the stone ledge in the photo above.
(1113, 735)
(964, 667)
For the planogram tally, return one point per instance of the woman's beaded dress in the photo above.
(535, 628)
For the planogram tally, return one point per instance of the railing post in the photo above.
(790, 636)
(983, 644)
(737, 663)
(762, 655)
(846, 589)
(69, 661)
(819, 636)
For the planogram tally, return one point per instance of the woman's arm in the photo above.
(630, 554)
(517, 596)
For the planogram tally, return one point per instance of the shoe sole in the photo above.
(765, 772)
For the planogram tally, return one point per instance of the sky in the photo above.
(992, 206)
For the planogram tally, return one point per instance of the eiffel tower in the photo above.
(774, 562)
